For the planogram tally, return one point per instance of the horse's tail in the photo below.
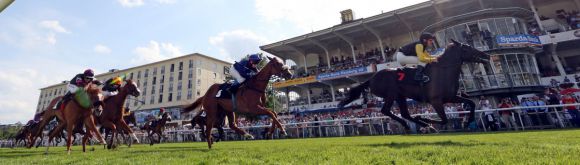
(354, 94)
(194, 106)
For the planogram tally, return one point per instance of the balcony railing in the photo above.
(497, 81)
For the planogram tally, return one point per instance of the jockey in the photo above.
(243, 70)
(80, 80)
(36, 119)
(112, 86)
(416, 52)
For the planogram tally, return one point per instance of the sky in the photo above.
(45, 42)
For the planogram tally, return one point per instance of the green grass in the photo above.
(535, 147)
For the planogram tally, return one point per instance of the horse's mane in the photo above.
(93, 89)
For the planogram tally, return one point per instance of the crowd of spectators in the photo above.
(338, 63)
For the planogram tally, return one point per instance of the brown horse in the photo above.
(113, 109)
(47, 116)
(392, 86)
(73, 113)
(158, 129)
(219, 124)
(248, 100)
(129, 118)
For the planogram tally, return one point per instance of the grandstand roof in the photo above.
(401, 21)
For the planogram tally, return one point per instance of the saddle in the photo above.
(227, 90)
(407, 76)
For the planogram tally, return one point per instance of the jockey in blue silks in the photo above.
(243, 70)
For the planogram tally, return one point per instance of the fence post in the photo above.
(482, 122)
(382, 126)
(558, 116)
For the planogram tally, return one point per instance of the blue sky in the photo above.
(45, 42)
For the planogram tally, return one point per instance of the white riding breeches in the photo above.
(408, 60)
(236, 75)
(72, 88)
(107, 93)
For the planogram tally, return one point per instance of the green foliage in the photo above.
(536, 147)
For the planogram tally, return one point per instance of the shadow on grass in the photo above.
(411, 144)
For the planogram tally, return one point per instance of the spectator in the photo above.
(507, 115)
(490, 121)
(572, 110)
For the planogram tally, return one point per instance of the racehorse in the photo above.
(442, 88)
(219, 124)
(248, 100)
(72, 113)
(113, 110)
(157, 129)
(129, 118)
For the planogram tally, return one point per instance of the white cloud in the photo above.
(166, 1)
(155, 52)
(131, 3)
(51, 38)
(138, 3)
(237, 43)
(102, 49)
(19, 86)
(53, 25)
(318, 14)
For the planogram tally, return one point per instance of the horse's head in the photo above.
(278, 68)
(470, 54)
(94, 92)
(131, 88)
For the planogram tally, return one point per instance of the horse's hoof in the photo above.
(248, 136)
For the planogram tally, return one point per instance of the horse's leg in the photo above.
(265, 111)
(110, 128)
(69, 133)
(232, 123)
(85, 139)
(90, 125)
(126, 128)
(387, 111)
(404, 110)
(211, 113)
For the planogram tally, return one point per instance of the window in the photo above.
(214, 75)
(139, 74)
(189, 94)
(190, 63)
(178, 95)
(154, 80)
(146, 72)
(172, 68)
(180, 65)
(154, 71)
(162, 69)
(160, 98)
(145, 83)
(179, 86)
(143, 101)
(198, 82)
(171, 87)
(138, 83)
(198, 92)
(198, 72)
(190, 74)
(152, 100)
(180, 76)
(170, 97)
(189, 84)
(153, 90)
(161, 89)
(131, 76)
(171, 77)
(162, 79)
(144, 91)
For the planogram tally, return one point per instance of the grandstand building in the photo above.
(170, 84)
(532, 44)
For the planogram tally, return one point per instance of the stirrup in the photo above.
(426, 79)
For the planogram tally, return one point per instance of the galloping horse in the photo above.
(389, 84)
(129, 118)
(219, 124)
(72, 113)
(248, 100)
(112, 116)
(158, 129)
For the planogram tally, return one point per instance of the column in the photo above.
(557, 60)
